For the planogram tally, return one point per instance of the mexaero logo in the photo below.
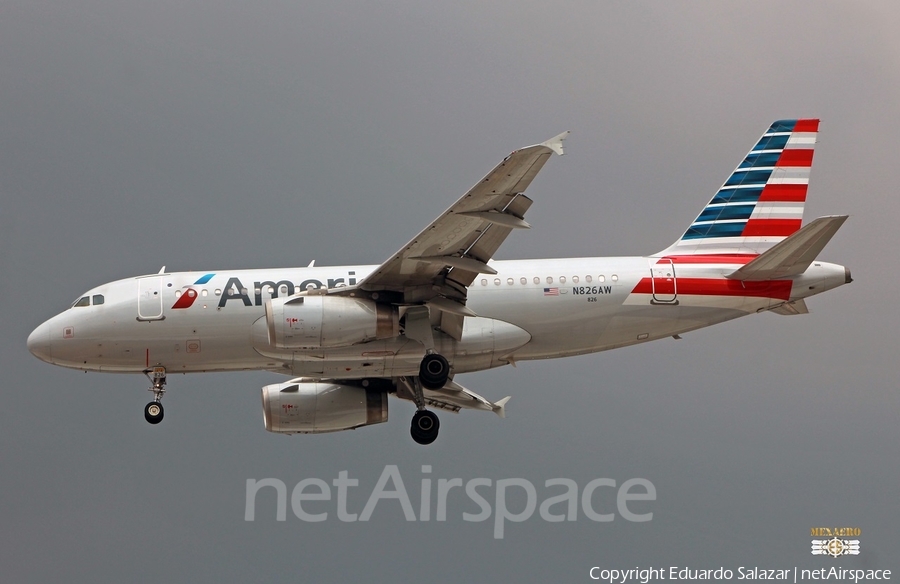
(835, 546)
(189, 295)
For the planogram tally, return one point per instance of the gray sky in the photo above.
(216, 135)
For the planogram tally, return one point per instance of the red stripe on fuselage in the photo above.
(780, 289)
(723, 258)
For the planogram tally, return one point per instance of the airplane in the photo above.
(351, 336)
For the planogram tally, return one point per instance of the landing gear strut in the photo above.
(153, 412)
(434, 372)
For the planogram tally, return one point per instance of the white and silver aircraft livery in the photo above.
(351, 336)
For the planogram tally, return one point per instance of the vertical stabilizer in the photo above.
(762, 201)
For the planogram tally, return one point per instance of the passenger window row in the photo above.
(549, 280)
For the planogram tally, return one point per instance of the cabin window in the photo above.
(484, 281)
(510, 281)
(83, 301)
(614, 278)
(574, 279)
(588, 278)
(218, 292)
(601, 278)
(562, 279)
(537, 280)
(549, 279)
(496, 281)
(177, 293)
(523, 281)
(204, 292)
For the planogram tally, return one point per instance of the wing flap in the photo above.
(490, 241)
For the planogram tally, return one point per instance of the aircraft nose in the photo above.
(39, 342)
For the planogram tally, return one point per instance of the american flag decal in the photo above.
(551, 291)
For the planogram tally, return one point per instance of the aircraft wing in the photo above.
(440, 262)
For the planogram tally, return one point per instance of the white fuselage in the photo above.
(531, 309)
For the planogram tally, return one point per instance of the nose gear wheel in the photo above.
(153, 412)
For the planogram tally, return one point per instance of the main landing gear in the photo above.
(424, 427)
(434, 371)
(153, 412)
(433, 374)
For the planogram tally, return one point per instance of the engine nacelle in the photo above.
(314, 407)
(309, 322)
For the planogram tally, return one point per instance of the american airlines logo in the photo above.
(234, 289)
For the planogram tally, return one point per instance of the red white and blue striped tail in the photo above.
(761, 203)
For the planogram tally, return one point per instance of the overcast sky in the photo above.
(220, 135)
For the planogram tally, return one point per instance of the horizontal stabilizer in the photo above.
(556, 143)
(794, 254)
(791, 308)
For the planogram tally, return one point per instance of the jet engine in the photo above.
(314, 407)
(306, 322)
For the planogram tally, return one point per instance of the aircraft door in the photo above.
(665, 288)
(150, 302)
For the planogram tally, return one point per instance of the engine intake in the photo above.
(305, 322)
(314, 407)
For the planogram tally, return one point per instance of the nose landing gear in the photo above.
(153, 411)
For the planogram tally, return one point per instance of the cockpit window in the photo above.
(83, 301)
(97, 299)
